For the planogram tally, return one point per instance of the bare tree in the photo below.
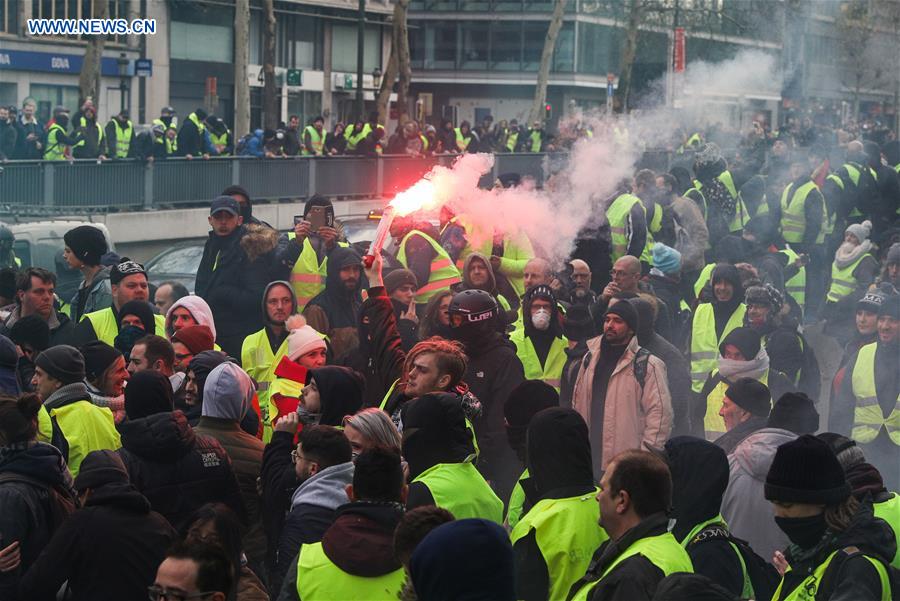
(397, 65)
(241, 59)
(270, 100)
(540, 90)
(89, 78)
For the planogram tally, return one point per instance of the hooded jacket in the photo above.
(340, 391)
(97, 296)
(724, 310)
(26, 515)
(313, 510)
(748, 466)
(335, 311)
(177, 470)
(227, 397)
(88, 550)
(678, 370)
(199, 310)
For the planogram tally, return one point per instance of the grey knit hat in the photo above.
(63, 362)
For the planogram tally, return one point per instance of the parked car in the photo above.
(177, 264)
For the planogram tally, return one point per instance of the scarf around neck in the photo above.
(848, 253)
(731, 369)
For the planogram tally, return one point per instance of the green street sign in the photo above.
(294, 77)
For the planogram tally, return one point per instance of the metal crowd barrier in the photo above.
(52, 186)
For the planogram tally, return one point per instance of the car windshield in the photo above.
(179, 260)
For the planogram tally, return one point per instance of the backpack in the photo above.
(241, 147)
(62, 503)
(639, 364)
(763, 576)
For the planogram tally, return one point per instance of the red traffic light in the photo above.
(547, 108)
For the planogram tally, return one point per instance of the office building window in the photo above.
(474, 48)
(506, 45)
(439, 44)
(9, 16)
(533, 35)
(564, 53)
(201, 32)
(298, 41)
(76, 9)
(343, 48)
(49, 97)
(306, 105)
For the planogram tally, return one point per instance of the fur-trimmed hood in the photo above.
(258, 240)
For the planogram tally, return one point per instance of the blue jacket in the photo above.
(255, 145)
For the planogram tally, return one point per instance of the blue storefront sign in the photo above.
(51, 62)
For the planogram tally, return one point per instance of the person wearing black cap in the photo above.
(190, 141)
(745, 409)
(69, 419)
(794, 412)
(741, 355)
(714, 320)
(699, 479)
(84, 245)
(838, 550)
(228, 280)
(89, 551)
(621, 390)
(129, 283)
(540, 343)
(554, 540)
(867, 407)
(578, 328)
(401, 286)
(304, 252)
(243, 198)
(524, 402)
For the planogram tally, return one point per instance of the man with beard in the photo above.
(540, 344)
(335, 311)
(714, 320)
(621, 390)
(492, 372)
(788, 350)
(867, 406)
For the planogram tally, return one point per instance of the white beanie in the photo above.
(860, 230)
(303, 338)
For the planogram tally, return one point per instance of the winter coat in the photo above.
(99, 296)
(233, 289)
(254, 146)
(744, 506)
(190, 139)
(335, 311)
(108, 549)
(693, 244)
(27, 150)
(94, 145)
(632, 416)
(360, 542)
(27, 512)
(570, 370)
(278, 480)
(177, 470)
(313, 509)
(8, 136)
(729, 441)
(62, 328)
(382, 343)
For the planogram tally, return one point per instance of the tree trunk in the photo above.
(629, 52)
(405, 71)
(89, 78)
(241, 58)
(390, 71)
(540, 90)
(270, 99)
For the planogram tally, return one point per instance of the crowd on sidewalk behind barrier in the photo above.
(662, 416)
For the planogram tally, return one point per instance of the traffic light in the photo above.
(548, 112)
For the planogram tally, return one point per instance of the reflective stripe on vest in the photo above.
(551, 372)
(662, 550)
(106, 329)
(516, 502)
(704, 277)
(259, 362)
(123, 139)
(654, 224)
(462, 142)
(461, 490)
(705, 345)
(842, 281)
(567, 534)
(712, 421)
(747, 591)
(443, 272)
(512, 141)
(889, 511)
(86, 428)
(793, 213)
(740, 211)
(316, 140)
(307, 276)
(82, 142)
(319, 579)
(55, 151)
(796, 286)
(617, 214)
(829, 225)
(868, 417)
(806, 590)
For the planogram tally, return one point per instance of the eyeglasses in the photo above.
(296, 456)
(159, 593)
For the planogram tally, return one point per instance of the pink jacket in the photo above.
(631, 417)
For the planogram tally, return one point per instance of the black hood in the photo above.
(342, 306)
(202, 364)
(163, 437)
(559, 454)
(340, 391)
(645, 320)
(555, 329)
(120, 495)
(36, 460)
(339, 258)
(871, 536)
(729, 273)
(699, 479)
(434, 431)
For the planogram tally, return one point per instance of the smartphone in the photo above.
(298, 219)
(319, 216)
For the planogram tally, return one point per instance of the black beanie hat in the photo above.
(579, 323)
(124, 268)
(526, 399)
(316, 200)
(148, 392)
(87, 243)
(795, 412)
(890, 307)
(63, 362)
(98, 356)
(99, 468)
(747, 340)
(805, 470)
(750, 395)
(31, 330)
(627, 312)
(399, 277)
(143, 311)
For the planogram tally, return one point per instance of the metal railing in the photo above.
(59, 186)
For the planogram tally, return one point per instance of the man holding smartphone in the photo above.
(305, 250)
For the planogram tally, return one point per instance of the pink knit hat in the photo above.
(303, 338)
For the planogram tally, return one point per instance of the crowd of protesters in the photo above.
(460, 418)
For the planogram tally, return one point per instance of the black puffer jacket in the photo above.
(176, 469)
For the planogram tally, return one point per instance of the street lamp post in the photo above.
(360, 57)
(122, 63)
